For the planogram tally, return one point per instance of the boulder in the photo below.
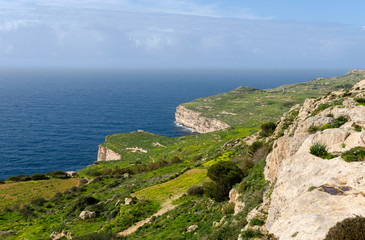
(87, 215)
(192, 228)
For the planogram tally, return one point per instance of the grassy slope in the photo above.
(23, 192)
(251, 107)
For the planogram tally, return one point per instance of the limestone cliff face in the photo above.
(106, 154)
(196, 122)
(312, 194)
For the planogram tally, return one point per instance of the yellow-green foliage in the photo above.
(179, 185)
(24, 192)
(224, 157)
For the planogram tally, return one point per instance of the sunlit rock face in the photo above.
(312, 194)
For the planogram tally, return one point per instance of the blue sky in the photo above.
(182, 33)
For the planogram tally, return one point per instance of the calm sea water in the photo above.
(55, 119)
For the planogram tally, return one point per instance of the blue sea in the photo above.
(54, 119)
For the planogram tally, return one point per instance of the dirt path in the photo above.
(165, 207)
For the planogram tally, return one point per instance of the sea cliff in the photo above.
(196, 122)
(106, 154)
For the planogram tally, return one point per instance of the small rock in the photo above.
(6, 233)
(87, 215)
(71, 174)
(192, 228)
(128, 201)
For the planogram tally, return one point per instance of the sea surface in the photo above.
(54, 119)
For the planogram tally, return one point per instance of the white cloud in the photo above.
(13, 25)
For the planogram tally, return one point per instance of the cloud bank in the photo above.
(115, 34)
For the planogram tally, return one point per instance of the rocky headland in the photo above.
(195, 121)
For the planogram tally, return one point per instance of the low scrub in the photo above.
(195, 190)
(19, 178)
(57, 174)
(267, 129)
(338, 122)
(355, 154)
(320, 150)
(350, 228)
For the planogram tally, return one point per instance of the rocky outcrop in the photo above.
(196, 122)
(106, 154)
(312, 194)
(87, 215)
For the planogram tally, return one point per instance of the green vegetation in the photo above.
(224, 175)
(23, 192)
(357, 128)
(320, 150)
(360, 101)
(253, 187)
(177, 186)
(251, 107)
(267, 129)
(157, 171)
(338, 122)
(350, 228)
(256, 222)
(355, 154)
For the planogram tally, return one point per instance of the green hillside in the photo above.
(156, 173)
(250, 107)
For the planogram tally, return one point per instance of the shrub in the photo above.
(57, 174)
(38, 201)
(228, 209)
(350, 228)
(320, 150)
(357, 128)
(26, 210)
(176, 159)
(253, 148)
(2, 182)
(360, 101)
(99, 236)
(224, 174)
(338, 122)
(226, 232)
(313, 129)
(195, 190)
(83, 202)
(39, 176)
(57, 197)
(256, 222)
(19, 178)
(83, 181)
(212, 190)
(246, 166)
(267, 129)
(249, 233)
(355, 154)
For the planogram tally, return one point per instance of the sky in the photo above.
(182, 34)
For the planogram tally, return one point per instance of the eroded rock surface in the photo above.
(196, 122)
(312, 194)
(106, 154)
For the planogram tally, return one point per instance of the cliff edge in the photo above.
(106, 154)
(196, 122)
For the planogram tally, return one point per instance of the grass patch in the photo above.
(179, 185)
(355, 154)
(24, 192)
(320, 150)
